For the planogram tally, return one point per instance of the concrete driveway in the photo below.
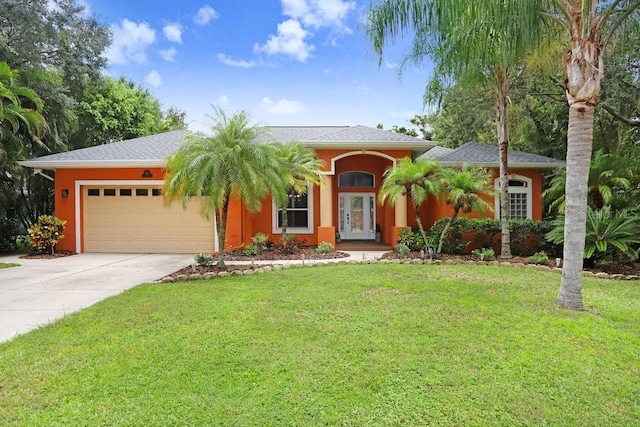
(42, 290)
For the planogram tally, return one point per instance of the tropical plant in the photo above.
(215, 168)
(463, 191)
(606, 180)
(299, 168)
(325, 248)
(19, 105)
(418, 179)
(402, 249)
(484, 254)
(539, 258)
(46, 234)
(607, 232)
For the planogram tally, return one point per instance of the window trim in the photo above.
(512, 190)
(295, 230)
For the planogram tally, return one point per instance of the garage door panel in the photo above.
(140, 223)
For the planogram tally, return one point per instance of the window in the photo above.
(355, 180)
(109, 191)
(94, 192)
(156, 192)
(299, 213)
(520, 199)
(142, 191)
(125, 192)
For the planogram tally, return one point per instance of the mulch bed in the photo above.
(57, 254)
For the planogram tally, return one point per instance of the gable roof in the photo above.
(475, 153)
(153, 150)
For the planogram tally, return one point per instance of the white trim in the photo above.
(332, 171)
(90, 164)
(523, 190)
(294, 230)
(147, 182)
(366, 195)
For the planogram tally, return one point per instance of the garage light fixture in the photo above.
(65, 193)
(147, 174)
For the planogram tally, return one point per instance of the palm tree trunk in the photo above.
(579, 146)
(285, 224)
(503, 145)
(445, 230)
(419, 222)
(221, 224)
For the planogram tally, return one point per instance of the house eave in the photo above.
(89, 164)
(512, 165)
(318, 145)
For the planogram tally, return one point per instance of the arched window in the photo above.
(356, 180)
(520, 197)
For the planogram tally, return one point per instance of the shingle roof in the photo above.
(436, 153)
(149, 151)
(488, 155)
(153, 151)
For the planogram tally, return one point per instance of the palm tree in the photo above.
(590, 27)
(230, 163)
(14, 106)
(463, 192)
(419, 179)
(471, 43)
(605, 181)
(299, 168)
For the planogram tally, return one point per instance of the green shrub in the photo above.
(412, 239)
(608, 234)
(539, 258)
(484, 254)
(46, 233)
(453, 243)
(402, 249)
(8, 232)
(23, 243)
(260, 241)
(325, 248)
(251, 250)
(291, 244)
(203, 259)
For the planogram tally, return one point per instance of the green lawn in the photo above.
(339, 345)
(8, 264)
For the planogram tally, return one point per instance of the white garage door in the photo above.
(135, 219)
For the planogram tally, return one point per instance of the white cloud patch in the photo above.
(153, 79)
(391, 65)
(168, 55)
(319, 13)
(173, 32)
(226, 60)
(130, 42)
(205, 15)
(281, 106)
(289, 41)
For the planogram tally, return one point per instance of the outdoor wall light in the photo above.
(65, 192)
(147, 174)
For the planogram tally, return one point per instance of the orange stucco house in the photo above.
(110, 194)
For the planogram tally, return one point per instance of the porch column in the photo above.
(401, 219)
(326, 230)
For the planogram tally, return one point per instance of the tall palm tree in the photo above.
(299, 168)
(19, 105)
(418, 179)
(463, 190)
(590, 27)
(471, 42)
(229, 163)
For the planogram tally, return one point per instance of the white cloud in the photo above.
(130, 42)
(391, 65)
(319, 13)
(226, 60)
(281, 106)
(153, 79)
(205, 15)
(168, 55)
(173, 32)
(290, 41)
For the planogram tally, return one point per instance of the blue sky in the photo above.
(286, 62)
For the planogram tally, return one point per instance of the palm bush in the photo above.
(608, 234)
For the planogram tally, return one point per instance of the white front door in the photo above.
(357, 216)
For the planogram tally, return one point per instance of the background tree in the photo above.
(418, 179)
(472, 43)
(463, 190)
(227, 164)
(299, 168)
